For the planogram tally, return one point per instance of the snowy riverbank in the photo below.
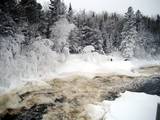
(130, 106)
(87, 64)
(67, 97)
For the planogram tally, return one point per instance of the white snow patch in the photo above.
(130, 106)
(88, 49)
(95, 63)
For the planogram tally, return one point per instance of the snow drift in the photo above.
(130, 106)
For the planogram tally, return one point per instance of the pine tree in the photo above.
(70, 13)
(75, 39)
(140, 50)
(129, 35)
(7, 24)
(92, 37)
(8, 6)
(31, 10)
(149, 40)
(48, 24)
(158, 23)
(108, 43)
(91, 21)
(57, 9)
(139, 21)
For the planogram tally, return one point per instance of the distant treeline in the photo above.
(133, 34)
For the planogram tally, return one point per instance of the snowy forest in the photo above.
(133, 34)
(38, 44)
(34, 37)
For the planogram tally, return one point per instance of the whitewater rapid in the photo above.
(88, 65)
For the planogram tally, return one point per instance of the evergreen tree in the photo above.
(91, 21)
(75, 39)
(57, 9)
(158, 20)
(7, 24)
(158, 23)
(139, 21)
(70, 13)
(102, 25)
(92, 37)
(149, 41)
(8, 6)
(108, 43)
(31, 10)
(47, 24)
(129, 35)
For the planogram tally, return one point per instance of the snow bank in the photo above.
(146, 63)
(130, 106)
(95, 63)
(38, 62)
(88, 49)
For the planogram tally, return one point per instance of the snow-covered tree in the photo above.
(75, 38)
(129, 35)
(54, 8)
(31, 10)
(57, 8)
(140, 42)
(139, 21)
(7, 25)
(92, 20)
(70, 13)
(60, 33)
(149, 41)
(92, 37)
(108, 43)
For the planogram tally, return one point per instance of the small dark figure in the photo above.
(126, 60)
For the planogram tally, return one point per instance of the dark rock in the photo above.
(112, 96)
(61, 99)
(34, 113)
(151, 86)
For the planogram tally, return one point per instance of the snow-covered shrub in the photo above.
(60, 33)
(88, 49)
(24, 62)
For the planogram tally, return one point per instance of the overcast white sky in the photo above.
(147, 7)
